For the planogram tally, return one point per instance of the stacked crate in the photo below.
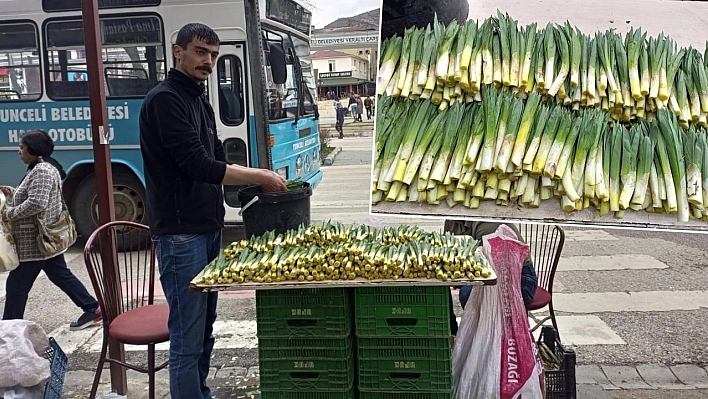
(305, 344)
(403, 342)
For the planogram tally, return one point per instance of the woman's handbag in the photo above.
(8, 255)
(57, 237)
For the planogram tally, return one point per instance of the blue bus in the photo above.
(44, 85)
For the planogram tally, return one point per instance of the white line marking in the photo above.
(610, 262)
(229, 334)
(643, 301)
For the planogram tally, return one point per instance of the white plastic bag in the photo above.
(8, 255)
(35, 392)
(494, 355)
(21, 344)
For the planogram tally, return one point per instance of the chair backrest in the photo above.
(132, 283)
(545, 247)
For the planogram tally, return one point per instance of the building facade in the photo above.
(339, 73)
(345, 56)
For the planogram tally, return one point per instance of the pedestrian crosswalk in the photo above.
(582, 317)
(580, 314)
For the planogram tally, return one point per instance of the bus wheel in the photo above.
(128, 203)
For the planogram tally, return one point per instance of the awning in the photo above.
(341, 81)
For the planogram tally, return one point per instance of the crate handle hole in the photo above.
(401, 321)
(404, 376)
(301, 322)
(303, 375)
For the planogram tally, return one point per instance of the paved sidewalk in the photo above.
(593, 382)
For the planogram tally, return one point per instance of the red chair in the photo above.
(129, 314)
(545, 247)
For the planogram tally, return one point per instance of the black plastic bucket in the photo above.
(274, 211)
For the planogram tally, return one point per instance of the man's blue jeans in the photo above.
(192, 314)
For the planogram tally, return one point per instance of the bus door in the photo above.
(229, 97)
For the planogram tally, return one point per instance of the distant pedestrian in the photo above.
(340, 120)
(359, 108)
(368, 103)
(353, 106)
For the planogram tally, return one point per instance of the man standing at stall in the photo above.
(185, 167)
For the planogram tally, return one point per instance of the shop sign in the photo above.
(343, 74)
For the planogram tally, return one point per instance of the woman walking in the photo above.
(38, 198)
(359, 108)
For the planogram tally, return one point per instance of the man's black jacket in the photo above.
(183, 159)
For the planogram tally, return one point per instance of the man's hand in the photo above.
(237, 175)
(271, 182)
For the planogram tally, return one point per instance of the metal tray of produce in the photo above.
(357, 282)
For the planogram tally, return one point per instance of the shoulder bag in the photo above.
(57, 237)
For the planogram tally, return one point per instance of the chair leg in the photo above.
(151, 370)
(553, 319)
(99, 370)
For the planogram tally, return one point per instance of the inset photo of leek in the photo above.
(491, 118)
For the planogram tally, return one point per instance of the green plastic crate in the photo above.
(298, 348)
(287, 394)
(405, 395)
(304, 312)
(402, 311)
(405, 364)
(307, 373)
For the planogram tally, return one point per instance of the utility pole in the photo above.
(102, 172)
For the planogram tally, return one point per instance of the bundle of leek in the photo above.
(631, 77)
(465, 155)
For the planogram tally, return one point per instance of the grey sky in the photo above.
(327, 11)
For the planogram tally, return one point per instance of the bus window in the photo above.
(231, 99)
(132, 52)
(302, 50)
(75, 5)
(19, 63)
(236, 153)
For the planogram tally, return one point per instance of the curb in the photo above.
(353, 134)
(594, 381)
(329, 160)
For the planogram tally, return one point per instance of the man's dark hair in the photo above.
(197, 31)
(38, 143)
